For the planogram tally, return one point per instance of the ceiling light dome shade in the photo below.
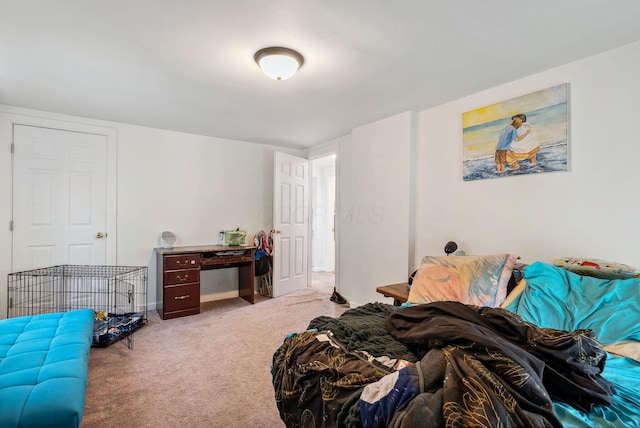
(279, 63)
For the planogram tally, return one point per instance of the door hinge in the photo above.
(13, 148)
(11, 225)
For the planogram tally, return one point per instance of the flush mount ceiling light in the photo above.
(279, 63)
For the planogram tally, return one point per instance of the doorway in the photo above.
(323, 204)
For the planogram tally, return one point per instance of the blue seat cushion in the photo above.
(44, 367)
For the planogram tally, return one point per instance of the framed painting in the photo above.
(524, 135)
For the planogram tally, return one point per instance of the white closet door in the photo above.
(59, 198)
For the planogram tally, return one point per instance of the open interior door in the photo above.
(290, 223)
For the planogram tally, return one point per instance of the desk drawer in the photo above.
(184, 276)
(182, 261)
(225, 260)
(179, 297)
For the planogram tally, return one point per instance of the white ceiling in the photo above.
(187, 65)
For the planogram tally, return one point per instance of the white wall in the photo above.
(192, 185)
(375, 167)
(590, 210)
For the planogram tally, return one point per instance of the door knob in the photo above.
(277, 231)
(100, 235)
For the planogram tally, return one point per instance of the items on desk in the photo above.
(235, 237)
(167, 239)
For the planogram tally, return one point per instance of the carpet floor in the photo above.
(205, 370)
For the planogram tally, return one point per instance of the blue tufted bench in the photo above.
(44, 366)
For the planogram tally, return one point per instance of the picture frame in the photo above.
(527, 134)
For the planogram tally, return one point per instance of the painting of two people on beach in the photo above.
(523, 135)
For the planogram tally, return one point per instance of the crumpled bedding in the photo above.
(327, 354)
(552, 298)
(484, 367)
(364, 328)
(317, 380)
(556, 298)
(321, 382)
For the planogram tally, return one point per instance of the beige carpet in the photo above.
(206, 370)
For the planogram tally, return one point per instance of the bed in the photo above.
(558, 348)
(44, 365)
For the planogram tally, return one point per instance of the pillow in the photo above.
(475, 280)
(597, 268)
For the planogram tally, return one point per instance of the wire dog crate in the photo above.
(118, 295)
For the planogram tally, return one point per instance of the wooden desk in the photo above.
(178, 275)
(399, 292)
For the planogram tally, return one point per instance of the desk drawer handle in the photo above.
(182, 264)
(181, 278)
(186, 296)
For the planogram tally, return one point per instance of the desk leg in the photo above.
(246, 287)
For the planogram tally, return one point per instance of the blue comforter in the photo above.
(556, 298)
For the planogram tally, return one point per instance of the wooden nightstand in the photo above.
(399, 292)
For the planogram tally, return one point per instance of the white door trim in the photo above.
(111, 135)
